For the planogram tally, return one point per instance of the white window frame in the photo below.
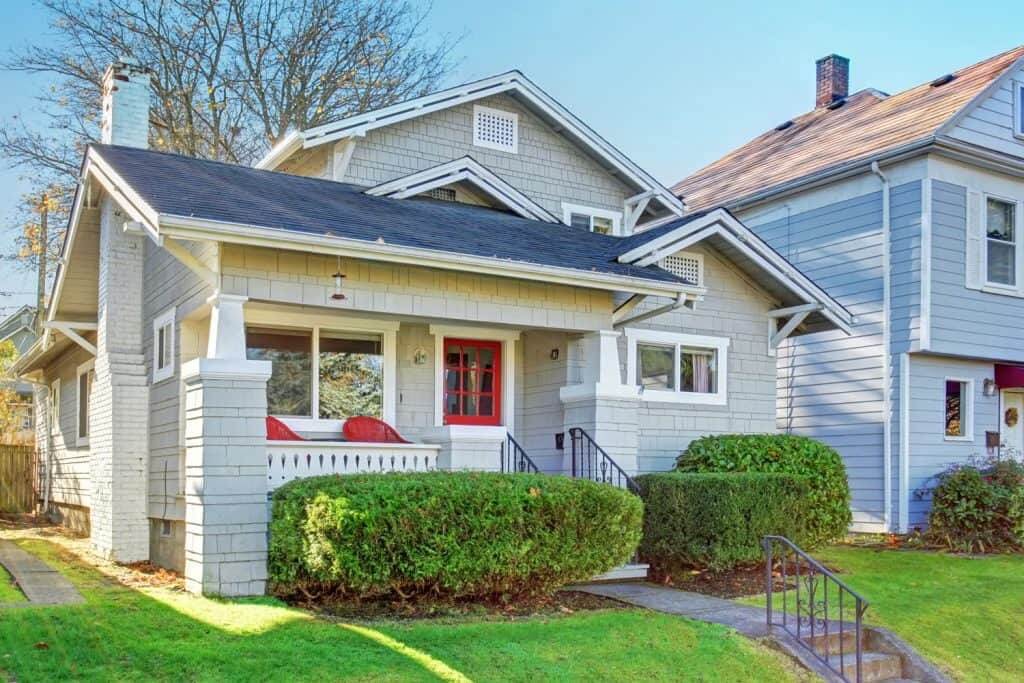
(165, 319)
(314, 323)
(1018, 108)
(83, 369)
(615, 216)
(1018, 223)
(54, 407)
(501, 113)
(968, 411)
(719, 397)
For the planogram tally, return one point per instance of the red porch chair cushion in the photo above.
(279, 431)
(371, 430)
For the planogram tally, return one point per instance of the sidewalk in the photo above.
(41, 584)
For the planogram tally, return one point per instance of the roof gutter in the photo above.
(186, 227)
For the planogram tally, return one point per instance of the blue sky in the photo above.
(674, 85)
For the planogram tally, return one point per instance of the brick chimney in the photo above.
(126, 104)
(833, 76)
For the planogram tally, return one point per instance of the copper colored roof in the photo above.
(868, 123)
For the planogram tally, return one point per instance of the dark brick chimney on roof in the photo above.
(833, 75)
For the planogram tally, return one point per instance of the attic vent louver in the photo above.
(496, 129)
(784, 125)
(942, 80)
(690, 267)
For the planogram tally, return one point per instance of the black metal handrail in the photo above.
(816, 620)
(515, 459)
(589, 461)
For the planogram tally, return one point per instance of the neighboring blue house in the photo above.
(906, 208)
(20, 329)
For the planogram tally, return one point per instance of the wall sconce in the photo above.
(419, 356)
(989, 387)
(554, 354)
(339, 279)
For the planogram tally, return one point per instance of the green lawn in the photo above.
(8, 591)
(965, 614)
(159, 634)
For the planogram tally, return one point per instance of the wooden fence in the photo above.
(17, 478)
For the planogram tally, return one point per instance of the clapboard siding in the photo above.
(989, 123)
(966, 322)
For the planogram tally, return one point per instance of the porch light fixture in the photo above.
(989, 387)
(339, 278)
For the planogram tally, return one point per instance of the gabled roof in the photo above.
(511, 83)
(869, 124)
(470, 171)
(723, 231)
(171, 194)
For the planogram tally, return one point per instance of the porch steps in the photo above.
(633, 571)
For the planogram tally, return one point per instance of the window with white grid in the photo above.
(690, 267)
(496, 129)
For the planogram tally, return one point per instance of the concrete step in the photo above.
(627, 572)
(831, 643)
(878, 666)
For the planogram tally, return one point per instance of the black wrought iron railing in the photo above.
(589, 461)
(515, 459)
(810, 603)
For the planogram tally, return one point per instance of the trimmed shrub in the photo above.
(717, 521)
(828, 514)
(979, 508)
(447, 535)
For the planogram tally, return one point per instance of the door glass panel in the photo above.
(472, 382)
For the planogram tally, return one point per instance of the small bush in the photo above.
(447, 535)
(828, 514)
(979, 508)
(717, 521)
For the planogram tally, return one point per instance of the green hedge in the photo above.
(447, 535)
(828, 514)
(717, 521)
(979, 508)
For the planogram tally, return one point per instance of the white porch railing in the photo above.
(288, 460)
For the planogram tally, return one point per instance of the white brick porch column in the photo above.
(225, 461)
(119, 420)
(601, 404)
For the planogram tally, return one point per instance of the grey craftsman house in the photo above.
(469, 267)
(908, 209)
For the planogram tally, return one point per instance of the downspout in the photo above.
(886, 347)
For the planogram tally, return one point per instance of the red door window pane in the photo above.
(472, 382)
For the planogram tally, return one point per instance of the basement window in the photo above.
(496, 129)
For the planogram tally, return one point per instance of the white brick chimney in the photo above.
(126, 90)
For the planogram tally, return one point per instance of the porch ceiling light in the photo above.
(339, 279)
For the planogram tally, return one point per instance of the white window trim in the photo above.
(1018, 107)
(720, 344)
(314, 323)
(508, 339)
(54, 407)
(164, 319)
(501, 113)
(615, 216)
(968, 410)
(83, 369)
(1018, 222)
(699, 258)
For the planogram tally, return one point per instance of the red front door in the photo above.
(472, 382)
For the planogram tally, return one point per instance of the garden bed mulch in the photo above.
(559, 603)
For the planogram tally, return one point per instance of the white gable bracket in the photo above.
(67, 328)
(682, 300)
(206, 274)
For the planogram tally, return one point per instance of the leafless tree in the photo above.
(231, 77)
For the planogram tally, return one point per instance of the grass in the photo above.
(155, 633)
(8, 591)
(965, 614)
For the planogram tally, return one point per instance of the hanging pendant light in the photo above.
(339, 279)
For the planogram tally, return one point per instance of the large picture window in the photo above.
(330, 375)
(681, 368)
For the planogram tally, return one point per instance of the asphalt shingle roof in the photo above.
(185, 186)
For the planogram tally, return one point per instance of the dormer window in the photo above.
(496, 129)
(591, 219)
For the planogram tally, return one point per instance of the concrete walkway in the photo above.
(41, 583)
(750, 621)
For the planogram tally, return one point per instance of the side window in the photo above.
(592, 219)
(54, 407)
(1001, 242)
(678, 368)
(86, 375)
(959, 404)
(163, 346)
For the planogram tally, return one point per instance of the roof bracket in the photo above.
(67, 328)
(186, 257)
(682, 300)
(796, 315)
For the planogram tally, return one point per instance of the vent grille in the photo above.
(496, 129)
(690, 267)
(445, 194)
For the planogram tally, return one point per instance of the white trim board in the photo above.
(509, 82)
(719, 397)
(465, 169)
